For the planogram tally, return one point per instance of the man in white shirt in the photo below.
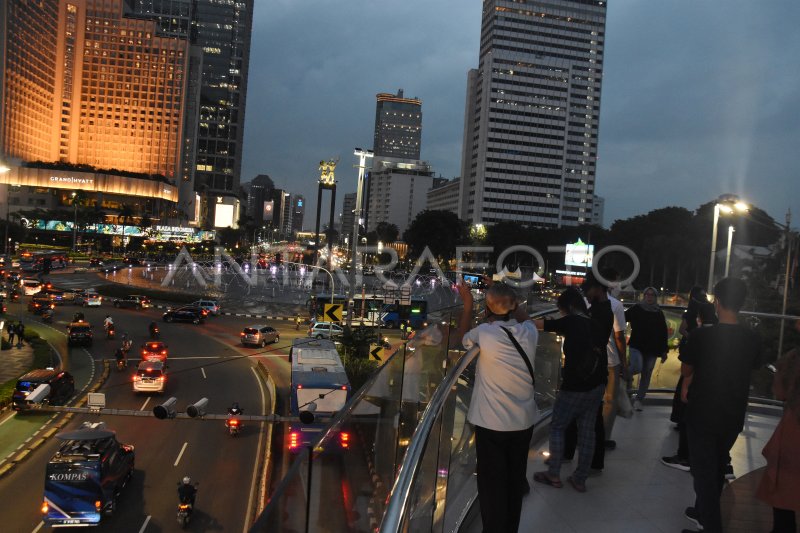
(502, 408)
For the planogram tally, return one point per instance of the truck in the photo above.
(85, 477)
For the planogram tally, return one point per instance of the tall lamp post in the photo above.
(731, 230)
(726, 203)
(75, 221)
(363, 155)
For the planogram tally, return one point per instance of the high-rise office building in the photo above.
(85, 84)
(532, 113)
(398, 126)
(219, 32)
(398, 191)
(598, 208)
(259, 190)
(443, 196)
(348, 215)
(298, 212)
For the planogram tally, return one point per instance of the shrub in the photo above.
(358, 370)
(6, 392)
(5, 345)
(114, 290)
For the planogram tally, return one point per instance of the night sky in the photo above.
(697, 97)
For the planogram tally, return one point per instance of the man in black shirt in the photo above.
(716, 366)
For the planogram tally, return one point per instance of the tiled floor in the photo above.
(636, 492)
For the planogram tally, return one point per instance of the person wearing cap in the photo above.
(503, 409)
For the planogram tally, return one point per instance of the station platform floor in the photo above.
(637, 493)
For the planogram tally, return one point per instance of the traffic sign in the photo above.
(333, 312)
(377, 353)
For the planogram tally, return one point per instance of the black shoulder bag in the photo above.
(521, 353)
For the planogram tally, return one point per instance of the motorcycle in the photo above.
(47, 316)
(122, 364)
(184, 514)
(127, 344)
(154, 333)
(234, 425)
(110, 334)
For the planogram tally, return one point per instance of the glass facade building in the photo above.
(532, 113)
(398, 126)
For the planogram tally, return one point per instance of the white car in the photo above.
(151, 376)
(30, 286)
(92, 299)
(212, 306)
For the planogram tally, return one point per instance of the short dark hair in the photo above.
(591, 282)
(731, 293)
(571, 301)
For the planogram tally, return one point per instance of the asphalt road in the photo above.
(204, 361)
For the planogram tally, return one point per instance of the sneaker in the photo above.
(637, 405)
(691, 514)
(729, 475)
(676, 462)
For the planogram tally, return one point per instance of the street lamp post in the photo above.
(75, 222)
(728, 254)
(725, 203)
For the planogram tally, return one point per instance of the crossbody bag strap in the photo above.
(521, 354)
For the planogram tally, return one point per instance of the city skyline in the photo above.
(717, 95)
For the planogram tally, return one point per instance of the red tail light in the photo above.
(344, 439)
(294, 440)
(234, 422)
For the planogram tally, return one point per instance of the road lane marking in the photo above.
(183, 449)
(145, 404)
(258, 453)
(9, 417)
(40, 526)
(203, 370)
(144, 526)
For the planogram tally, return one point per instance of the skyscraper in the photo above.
(532, 113)
(219, 32)
(398, 126)
(298, 212)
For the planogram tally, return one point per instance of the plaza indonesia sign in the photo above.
(155, 233)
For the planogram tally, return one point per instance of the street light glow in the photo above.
(725, 208)
(741, 206)
(4, 169)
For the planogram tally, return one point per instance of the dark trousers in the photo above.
(571, 441)
(783, 521)
(683, 442)
(709, 450)
(502, 462)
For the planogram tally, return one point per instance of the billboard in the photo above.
(154, 233)
(269, 208)
(223, 216)
(579, 254)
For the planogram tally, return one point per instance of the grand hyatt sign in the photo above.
(89, 181)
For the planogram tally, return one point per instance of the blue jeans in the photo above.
(569, 406)
(644, 364)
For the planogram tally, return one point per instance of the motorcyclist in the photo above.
(235, 410)
(108, 323)
(153, 328)
(78, 317)
(186, 491)
(127, 344)
(119, 355)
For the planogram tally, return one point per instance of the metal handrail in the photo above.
(401, 490)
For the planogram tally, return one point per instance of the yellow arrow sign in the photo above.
(377, 353)
(333, 312)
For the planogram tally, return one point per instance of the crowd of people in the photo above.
(717, 355)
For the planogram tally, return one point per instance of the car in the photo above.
(325, 330)
(92, 300)
(96, 262)
(30, 286)
(61, 383)
(38, 304)
(130, 261)
(133, 301)
(259, 335)
(195, 315)
(83, 481)
(13, 276)
(212, 306)
(79, 333)
(154, 351)
(151, 376)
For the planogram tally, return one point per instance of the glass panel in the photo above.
(286, 509)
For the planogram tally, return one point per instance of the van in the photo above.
(62, 387)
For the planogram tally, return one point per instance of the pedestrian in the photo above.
(699, 313)
(716, 365)
(503, 409)
(583, 380)
(616, 349)
(648, 341)
(780, 484)
(11, 328)
(20, 333)
(403, 330)
(298, 321)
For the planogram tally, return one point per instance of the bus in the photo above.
(44, 260)
(319, 386)
(377, 311)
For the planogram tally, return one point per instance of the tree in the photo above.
(387, 232)
(441, 231)
(331, 235)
